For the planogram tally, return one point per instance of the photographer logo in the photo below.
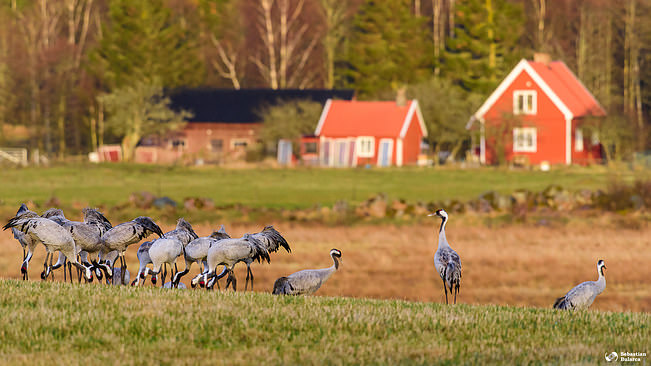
(612, 357)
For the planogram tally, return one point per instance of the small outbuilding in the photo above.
(377, 133)
(540, 113)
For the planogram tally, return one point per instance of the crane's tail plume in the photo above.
(562, 303)
(220, 234)
(259, 249)
(274, 239)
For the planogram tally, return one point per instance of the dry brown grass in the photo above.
(513, 265)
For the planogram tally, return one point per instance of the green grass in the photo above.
(45, 323)
(110, 184)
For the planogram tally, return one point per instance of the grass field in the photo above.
(382, 307)
(154, 326)
(109, 184)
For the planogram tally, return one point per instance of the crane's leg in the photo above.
(44, 273)
(164, 274)
(124, 268)
(50, 269)
(233, 281)
(24, 272)
(246, 281)
(446, 292)
(65, 269)
(70, 271)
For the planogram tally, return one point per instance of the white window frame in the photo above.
(578, 140)
(360, 143)
(524, 132)
(526, 109)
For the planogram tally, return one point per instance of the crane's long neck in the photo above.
(601, 281)
(443, 241)
(335, 266)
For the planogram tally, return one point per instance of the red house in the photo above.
(539, 114)
(353, 133)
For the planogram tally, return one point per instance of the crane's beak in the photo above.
(432, 214)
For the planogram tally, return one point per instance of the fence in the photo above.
(14, 155)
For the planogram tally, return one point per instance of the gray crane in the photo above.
(229, 252)
(582, 296)
(26, 242)
(307, 281)
(197, 251)
(121, 236)
(272, 240)
(446, 260)
(87, 234)
(53, 236)
(165, 250)
(143, 260)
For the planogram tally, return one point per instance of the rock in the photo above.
(163, 202)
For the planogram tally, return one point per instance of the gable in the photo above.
(558, 84)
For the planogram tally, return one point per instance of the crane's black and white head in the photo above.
(335, 253)
(601, 265)
(149, 224)
(440, 213)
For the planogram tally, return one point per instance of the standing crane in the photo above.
(446, 260)
(197, 251)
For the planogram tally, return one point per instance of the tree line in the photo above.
(75, 74)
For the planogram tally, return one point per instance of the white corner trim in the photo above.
(523, 65)
(413, 108)
(482, 143)
(568, 141)
(324, 114)
(399, 152)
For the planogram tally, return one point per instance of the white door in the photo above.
(341, 153)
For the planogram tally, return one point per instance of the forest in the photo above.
(75, 74)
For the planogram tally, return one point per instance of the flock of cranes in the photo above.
(76, 242)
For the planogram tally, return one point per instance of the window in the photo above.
(524, 139)
(524, 102)
(578, 140)
(178, 144)
(239, 143)
(310, 147)
(216, 145)
(366, 146)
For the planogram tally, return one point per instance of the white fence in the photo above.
(14, 155)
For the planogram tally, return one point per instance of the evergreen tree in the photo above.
(485, 43)
(145, 40)
(388, 46)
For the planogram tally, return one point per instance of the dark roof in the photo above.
(243, 106)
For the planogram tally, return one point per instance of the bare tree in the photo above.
(335, 13)
(287, 44)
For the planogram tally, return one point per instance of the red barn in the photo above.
(353, 133)
(539, 114)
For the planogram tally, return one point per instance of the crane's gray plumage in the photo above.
(447, 261)
(53, 236)
(308, 281)
(197, 251)
(121, 236)
(229, 252)
(144, 260)
(165, 250)
(582, 296)
(26, 242)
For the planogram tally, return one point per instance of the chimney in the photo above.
(542, 57)
(401, 96)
